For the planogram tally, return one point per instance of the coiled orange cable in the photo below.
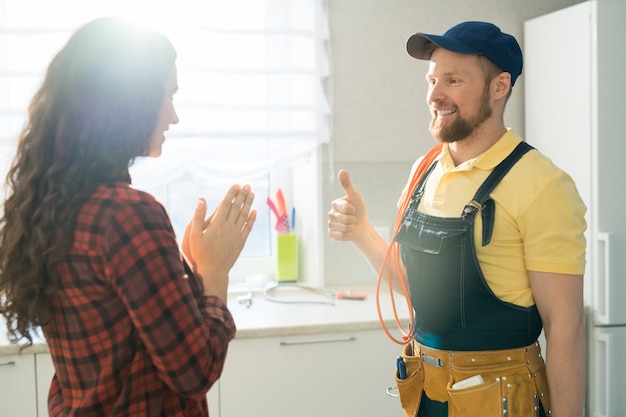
(392, 256)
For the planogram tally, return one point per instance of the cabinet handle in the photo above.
(314, 342)
(9, 363)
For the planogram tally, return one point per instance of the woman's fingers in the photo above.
(236, 205)
(224, 208)
(196, 226)
(247, 196)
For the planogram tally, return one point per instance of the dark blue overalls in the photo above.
(454, 307)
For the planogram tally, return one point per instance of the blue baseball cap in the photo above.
(476, 38)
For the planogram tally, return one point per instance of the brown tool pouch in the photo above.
(513, 381)
(410, 388)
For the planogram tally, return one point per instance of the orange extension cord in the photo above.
(392, 257)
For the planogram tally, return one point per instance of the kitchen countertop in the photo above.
(288, 317)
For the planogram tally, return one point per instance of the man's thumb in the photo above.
(346, 184)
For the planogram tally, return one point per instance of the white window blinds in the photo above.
(251, 76)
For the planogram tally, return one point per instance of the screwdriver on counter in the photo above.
(349, 295)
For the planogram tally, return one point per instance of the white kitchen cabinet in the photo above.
(17, 386)
(214, 400)
(25, 382)
(45, 372)
(318, 360)
(330, 374)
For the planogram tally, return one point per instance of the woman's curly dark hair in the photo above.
(94, 113)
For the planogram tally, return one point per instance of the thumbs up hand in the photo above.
(347, 218)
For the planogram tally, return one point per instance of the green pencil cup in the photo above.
(287, 257)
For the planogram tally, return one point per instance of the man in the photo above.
(486, 269)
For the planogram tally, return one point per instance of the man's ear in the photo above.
(501, 85)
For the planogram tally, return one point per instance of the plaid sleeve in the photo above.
(185, 336)
(55, 398)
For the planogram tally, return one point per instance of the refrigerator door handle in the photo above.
(601, 275)
(602, 387)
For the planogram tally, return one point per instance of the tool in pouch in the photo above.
(401, 365)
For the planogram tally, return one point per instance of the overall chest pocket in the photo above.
(429, 235)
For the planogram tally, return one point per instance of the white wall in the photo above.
(380, 116)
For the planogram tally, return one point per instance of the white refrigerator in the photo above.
(575, 106)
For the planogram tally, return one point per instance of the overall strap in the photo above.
(417, 195)
(482, 202)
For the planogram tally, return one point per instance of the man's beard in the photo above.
(461, 128)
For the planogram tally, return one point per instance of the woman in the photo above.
(132, 329)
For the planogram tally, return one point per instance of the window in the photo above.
(251, 103)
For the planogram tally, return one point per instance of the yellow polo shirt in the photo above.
(539, 217)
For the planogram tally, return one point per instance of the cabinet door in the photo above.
(331, 375)
(45, 372)
(17, 386)
(213, 398)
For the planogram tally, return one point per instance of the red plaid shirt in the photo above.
(132, 333)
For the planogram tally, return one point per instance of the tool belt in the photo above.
(512, 382)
